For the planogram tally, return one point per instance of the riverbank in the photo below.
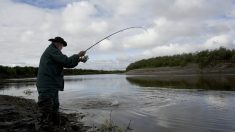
(19, 114)
(7, 72)
(185, 70)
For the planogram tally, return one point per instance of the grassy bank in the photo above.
(190, 69)
(206, 58)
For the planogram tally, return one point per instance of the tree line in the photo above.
(27, 71)
(202, 58)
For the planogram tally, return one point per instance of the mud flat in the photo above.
(21, 115)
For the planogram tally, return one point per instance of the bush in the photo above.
(202, 58)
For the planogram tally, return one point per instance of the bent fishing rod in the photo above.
(110, 36)
(85, 58)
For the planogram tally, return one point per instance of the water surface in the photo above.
(152, 103)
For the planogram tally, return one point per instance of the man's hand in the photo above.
(81, 53)
(84, 59)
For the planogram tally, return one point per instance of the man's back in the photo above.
(50, 72)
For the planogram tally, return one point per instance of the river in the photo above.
(149, 103)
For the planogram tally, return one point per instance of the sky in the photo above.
(171, 27)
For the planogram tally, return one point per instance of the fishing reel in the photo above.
(84, 58)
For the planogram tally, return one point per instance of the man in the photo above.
(50, 76)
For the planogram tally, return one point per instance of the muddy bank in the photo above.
(19, 114)
(186, 70)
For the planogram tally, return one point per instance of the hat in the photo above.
(59, 40)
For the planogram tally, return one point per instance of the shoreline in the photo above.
(186, 70)
(20, 114)
(35, 77)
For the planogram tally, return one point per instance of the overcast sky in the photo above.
(172, 27)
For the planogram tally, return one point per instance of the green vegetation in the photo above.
(109, 126)
(22, 72)
(16, 72)
(86, 71)
(202, 58)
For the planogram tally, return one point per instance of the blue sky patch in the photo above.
(51, 4)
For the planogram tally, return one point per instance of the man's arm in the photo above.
(67, 62)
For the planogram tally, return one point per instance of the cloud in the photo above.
(98, 26)
(219, 41)
(195, 9)
(128, 7)
(170, 49)
(105, 45)
(76, 15)
(147, 38)
(172, 27)
(164, 31)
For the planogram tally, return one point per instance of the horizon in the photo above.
(172, 27)
(132, 62)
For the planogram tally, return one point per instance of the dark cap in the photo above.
(59, 40)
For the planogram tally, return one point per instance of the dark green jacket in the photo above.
(50, 73)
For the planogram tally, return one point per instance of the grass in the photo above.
(110, 126)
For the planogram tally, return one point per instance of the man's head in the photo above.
(58, 45)
(58, 42)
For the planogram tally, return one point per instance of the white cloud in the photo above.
(196, 9)
(105, 45)
(172, 27)
(147, 38)
(98, 26)
(128, 7)
(170, 49)
(231, 13)
(76, 15)
(219, 41)
(164, 31)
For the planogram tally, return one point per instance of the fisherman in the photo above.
(50, 77)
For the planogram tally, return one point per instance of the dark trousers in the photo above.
(48, 103)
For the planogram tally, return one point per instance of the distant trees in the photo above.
(9, 72)
(202, 58)
(87, 71)
(20, 72)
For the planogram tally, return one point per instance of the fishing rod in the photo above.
(85, 58)
(110, 36)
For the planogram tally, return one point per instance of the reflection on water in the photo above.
(210, 82)
(17, 83)
(152, 103)
(19, 87)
